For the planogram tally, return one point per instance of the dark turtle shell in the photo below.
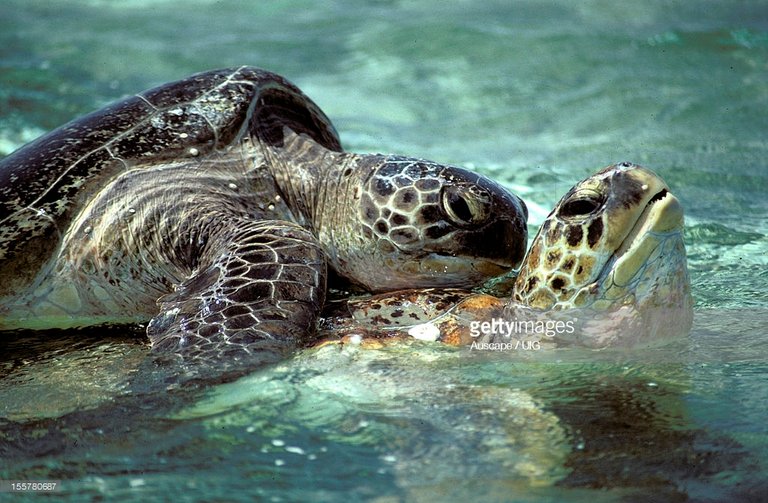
(45, 184)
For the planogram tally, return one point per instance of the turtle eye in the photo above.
(466, 205)
(581, 205)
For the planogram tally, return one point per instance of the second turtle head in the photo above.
(422, 224)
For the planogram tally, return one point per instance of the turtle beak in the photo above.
(663, 215)
(500, 244)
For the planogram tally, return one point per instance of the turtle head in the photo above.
(424, 224)
(616, 238)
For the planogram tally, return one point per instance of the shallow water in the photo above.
(537, 95)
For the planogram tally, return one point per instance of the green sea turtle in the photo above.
(211, 208)
(607, 268)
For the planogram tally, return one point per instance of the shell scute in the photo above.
(45, 184)
(31, 171)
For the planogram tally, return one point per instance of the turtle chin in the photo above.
(437, 270)
(661, 220)
(649, 277)
(450, 270)
(643, 294)
(649, 267)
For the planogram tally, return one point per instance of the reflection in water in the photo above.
(418, 417)
(47, 374)
(535, 94)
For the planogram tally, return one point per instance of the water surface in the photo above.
(537, 95)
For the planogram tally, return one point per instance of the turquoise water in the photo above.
(537, 95)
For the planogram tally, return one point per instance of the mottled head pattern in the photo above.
(609, 239)
(119, 208)
(426, 224)
(609, 260)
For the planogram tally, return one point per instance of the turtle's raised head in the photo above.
(425, 224)
(614, 239)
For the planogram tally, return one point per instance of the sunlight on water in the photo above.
(535, 94)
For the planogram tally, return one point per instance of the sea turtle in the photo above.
(607, 268)
(209, 207)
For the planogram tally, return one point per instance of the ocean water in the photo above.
(535, 94)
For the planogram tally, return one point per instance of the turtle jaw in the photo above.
(435, 270)
(639, 262)
(645, 289)
(458, 271)
(663, 216)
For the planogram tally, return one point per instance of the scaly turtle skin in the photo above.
(608, 264)
(211, 207)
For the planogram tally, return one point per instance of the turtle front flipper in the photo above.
(254, 297)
